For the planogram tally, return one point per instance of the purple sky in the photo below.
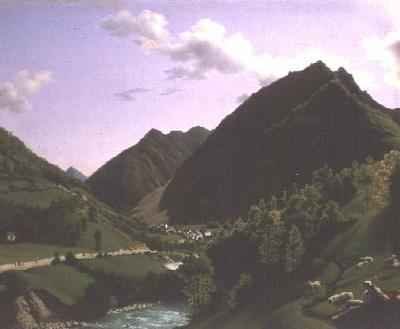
(81, 80)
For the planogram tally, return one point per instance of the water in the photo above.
(157, 317)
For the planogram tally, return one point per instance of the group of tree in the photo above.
(280, 238)
(62, 223)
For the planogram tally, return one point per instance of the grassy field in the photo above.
(69, 284)
(112, 239)
(64, 282)
(134, 266)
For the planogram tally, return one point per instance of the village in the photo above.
(186, 234)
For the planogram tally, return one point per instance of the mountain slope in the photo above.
(75, 173)
(149, 164)
(41, 204)
(279, 136)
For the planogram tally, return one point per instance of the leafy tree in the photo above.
(70, 259)
(270, 248)
(56, 260)
(98, 240)
(199, 291)
(241, 292)
(294, 249)
(84, 224)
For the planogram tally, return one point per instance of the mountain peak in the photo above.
(75, 173)
(318, 66)
(124, 180)
(298, 123)
(154, 132)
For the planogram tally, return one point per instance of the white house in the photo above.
(11, 236)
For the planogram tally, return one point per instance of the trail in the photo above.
(23, 266)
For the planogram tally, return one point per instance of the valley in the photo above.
(256, 224)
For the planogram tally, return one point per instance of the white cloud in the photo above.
(149, 27)
(386, 52)
(240, 99)
(207, 47)
(15, 95)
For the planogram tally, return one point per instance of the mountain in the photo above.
(142, 168)
(276, 137)
(41, 204)
(75, 173)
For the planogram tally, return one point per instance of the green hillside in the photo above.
(368, 227)
(44, 207)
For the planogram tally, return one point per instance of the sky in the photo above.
(82, 80)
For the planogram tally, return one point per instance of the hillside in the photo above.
(142, 168)
(148, 208)
(75, 173)
(44, 206)
(276, 137)
(367, 226)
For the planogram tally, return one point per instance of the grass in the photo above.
(134, 266)
(38, 198)
(112, 239)
(63, 282)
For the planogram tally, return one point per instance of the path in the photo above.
(23, 266)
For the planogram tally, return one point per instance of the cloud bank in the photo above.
(15, 96)
(206, 47)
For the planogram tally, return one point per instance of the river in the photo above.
(156, 317)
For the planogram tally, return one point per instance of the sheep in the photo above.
(361, 264)
(367, 259)
(393, 261)
(341, 297)
(354, 302)
(314, 284)
(396, 263)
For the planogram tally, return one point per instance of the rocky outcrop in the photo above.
(30, 310)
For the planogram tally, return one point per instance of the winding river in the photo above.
(157, 317)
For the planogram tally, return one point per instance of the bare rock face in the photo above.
(38, 307)
(30, 311)
(24, 317)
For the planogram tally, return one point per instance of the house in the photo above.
(11, 236)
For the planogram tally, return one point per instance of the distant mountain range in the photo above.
(75, 173)
(124, 180)
(278, 136)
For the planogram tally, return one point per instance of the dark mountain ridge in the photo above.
(279, 136)
(124, 180)
(17, 160)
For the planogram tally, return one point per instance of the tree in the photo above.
(56, 260)
(84, 224)
(199, 291)
(273, 231)
(98, 240)
(241, 292)
(70, 259)
(294, 249)
(331, 215)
